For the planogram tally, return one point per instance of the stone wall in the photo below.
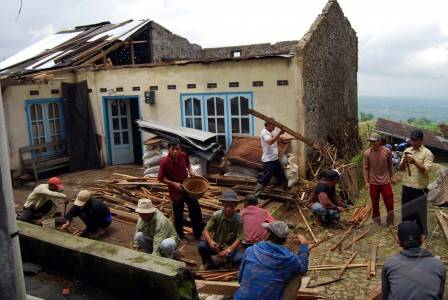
(329, 63)
(284, 47)
(166, 46)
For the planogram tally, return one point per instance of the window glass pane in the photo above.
(189, 122)
(221, 125)
(124, 123)
(50, 110)
(40, 129)
(125, 137)
(211, 107)
(34, 129)
(115, 124)
(196, 107)
(222, 140)
(116, 138)
(220, 106)
(211, 124)
(114, 109)
(188, 107)
(42, 141)
(56, 110)
(234, 109)
(123, 110)
(197, 123)
(57, 124)
(235, 125)
(51, 125)
(39, 112)
(245, 125)
(244, 102)
(33, 112)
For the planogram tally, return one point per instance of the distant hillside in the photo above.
(402, 109)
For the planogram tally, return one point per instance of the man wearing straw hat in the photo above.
(223, 234)
(173, 170)
(93, 212)
(154, 232)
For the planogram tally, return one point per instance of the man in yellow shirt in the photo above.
(416, 162)
(39, 204)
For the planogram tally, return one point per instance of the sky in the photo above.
(403, 45)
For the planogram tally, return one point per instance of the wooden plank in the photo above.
(217, 287)
(373, 255)
(442, 222)
(285, 128)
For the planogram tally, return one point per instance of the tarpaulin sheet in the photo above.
(82, 143)
(246, 151)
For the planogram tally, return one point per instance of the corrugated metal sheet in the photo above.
(402, 131)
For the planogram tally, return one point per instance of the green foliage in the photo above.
(366, 116)
(424, 123)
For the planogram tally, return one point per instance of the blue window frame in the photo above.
(221, 113)
(45, 121)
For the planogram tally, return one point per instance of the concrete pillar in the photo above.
(12, 283)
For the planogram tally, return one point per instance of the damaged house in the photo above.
(82, 89)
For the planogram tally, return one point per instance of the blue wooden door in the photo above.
(120, 132)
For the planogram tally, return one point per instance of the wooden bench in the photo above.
(43, 158)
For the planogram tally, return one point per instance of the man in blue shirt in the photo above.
(268, 267)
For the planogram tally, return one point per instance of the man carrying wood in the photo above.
(325, 203)
(223, 234)
(173, 170)
(378, 176)
(269, 270)
(253, 216)
(416, 162)
(39, 204)
(414, 273)
(271, 163)
(154, 232)
(93, 212)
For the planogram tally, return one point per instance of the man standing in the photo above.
(154, 232)
(39, 204)
(271, 164)
(253, 216)
(416, 162)
(223, 234)
(269, 270)
(324, 203)
(93, 212)
(378, 176)
(414, 273)
(174, 168)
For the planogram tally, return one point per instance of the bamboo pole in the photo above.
(341, 272)
(346, 233)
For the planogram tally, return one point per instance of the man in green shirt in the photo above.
(223, 234)
(155, 234)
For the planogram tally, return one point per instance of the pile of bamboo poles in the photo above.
(361, 214)
(217, 275)
(121, 194)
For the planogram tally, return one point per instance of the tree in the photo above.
(366, 116)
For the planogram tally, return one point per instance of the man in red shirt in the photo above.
(174, 168)
(378, 176)
(253, 216)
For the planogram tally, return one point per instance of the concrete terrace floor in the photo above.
(354, 286)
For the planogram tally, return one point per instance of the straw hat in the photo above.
(145, 206)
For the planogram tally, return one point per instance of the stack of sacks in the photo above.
(198, 164)
(291, 168)
(155, 149)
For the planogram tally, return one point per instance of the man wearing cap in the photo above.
(416, 162)
(93, 212)
(271, 164)
(154, 232)
(39, 204)
(253, 216)
(414, 273)
(223, 234)
(269, 270)
(173, 170)
(378, 176)
(325, 203)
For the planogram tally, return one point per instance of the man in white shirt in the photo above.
(271, 164)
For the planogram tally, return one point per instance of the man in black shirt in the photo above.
(324, 203)
(93, 212)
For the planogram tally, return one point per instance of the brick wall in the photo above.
(329, 53)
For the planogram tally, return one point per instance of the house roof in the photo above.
(402, 131)
(70, 47)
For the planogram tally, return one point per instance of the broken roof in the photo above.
(71, 47)
(402, 131)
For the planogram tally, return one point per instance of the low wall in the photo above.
(128, 273)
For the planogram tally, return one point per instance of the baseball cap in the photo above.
(145, 206)
(56, 182)
(82, 197)
(409, 234)
(278, 228)
(333, 175)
